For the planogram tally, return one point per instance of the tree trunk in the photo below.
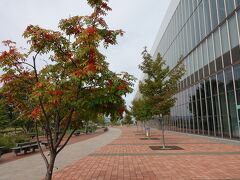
(161, 122)
(163, 135)
(86, 128)
(50, 166)
(137, 127)
(144, 132)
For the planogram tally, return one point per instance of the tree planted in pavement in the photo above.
(159, 85)
(141, 111)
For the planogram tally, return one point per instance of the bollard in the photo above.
(147, 131)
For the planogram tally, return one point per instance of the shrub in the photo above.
(7, 141)
(91, 129)
(21, 138)
(10, 141)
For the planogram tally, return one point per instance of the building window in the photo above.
(195, 60)
(229, 6)
(237, 2)
(231, 103)
(200, 59)
(213, 9)
(207, 15)
(197, 33)
(221, 10)
(204, 109)
(217, 117)
(234, 40)
(237, 84)
(195, 3)
(192, 32)
(210, 49)
(188, 67)
(201, 20)
(190, 64)
(189, 35)
(187, 9)
(217, 44)
(190, 6)
(237, 77)
(199, 111)
(205, 53)
(222, 98)
(224, 37)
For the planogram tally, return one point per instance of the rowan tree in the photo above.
(159, 85)
(58, 96)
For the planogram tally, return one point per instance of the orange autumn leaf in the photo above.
(91, 67)
(91, 30)
(39, 85)
(36, 112)
(56, 93)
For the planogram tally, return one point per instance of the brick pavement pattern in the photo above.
(129, 157)
(33, 167)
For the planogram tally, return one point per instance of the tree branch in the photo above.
(41, 103)
(35, 67)
(69, 118)
(47, 123)
(41, 150)
(65, 143)
(27, 64)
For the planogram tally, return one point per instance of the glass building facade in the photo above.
(206, 34)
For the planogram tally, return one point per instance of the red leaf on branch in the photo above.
(110, 83)
(36, 112)
(48, 37)
(91, 67)
(91, 31)
(3, 55)
(39, 85)
(92, 55)
(6, 78)
(78, 73)
(56, 93)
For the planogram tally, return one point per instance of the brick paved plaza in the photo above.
(129, 157)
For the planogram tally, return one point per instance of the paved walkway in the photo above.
(33, 167)
(12, 157)
(130, 157)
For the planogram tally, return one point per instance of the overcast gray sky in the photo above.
(140, 19)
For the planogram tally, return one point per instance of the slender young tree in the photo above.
(141, 111)
(159, 85)
(58, 96)
(127, 119)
